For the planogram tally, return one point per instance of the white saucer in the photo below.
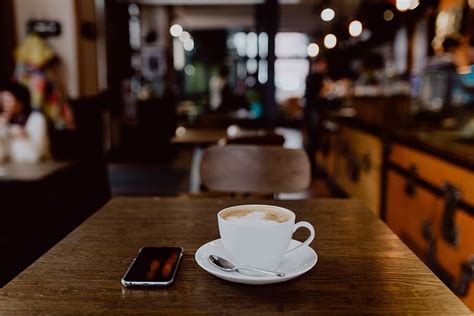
(294, 265)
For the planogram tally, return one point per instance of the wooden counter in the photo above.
(363, 266)
(425, 185)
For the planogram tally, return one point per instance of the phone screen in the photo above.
(154, 265)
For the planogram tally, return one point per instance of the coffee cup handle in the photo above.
(308, 240)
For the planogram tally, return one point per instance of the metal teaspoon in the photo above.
(225, 265)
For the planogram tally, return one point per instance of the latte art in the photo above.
(255, 217)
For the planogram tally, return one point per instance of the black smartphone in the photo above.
(153, 266)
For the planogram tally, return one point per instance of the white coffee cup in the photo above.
(255, 243)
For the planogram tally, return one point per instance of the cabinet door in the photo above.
(408, 216)
(357, 167)
(411, 209)
(451, 257)
(407, 213)
(434, 170)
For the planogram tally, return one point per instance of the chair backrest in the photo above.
(255, 169)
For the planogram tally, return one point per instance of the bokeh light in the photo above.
(328, 14)
(330, 41)
(355, 28)
(176, 30)
(313, 50)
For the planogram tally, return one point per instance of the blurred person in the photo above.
(458, 55)
(317, 86)
(470, 53)
(440, 88)
(218, 88)
(466, 75)
(449, 51)
(27, 131)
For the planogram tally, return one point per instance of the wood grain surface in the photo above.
(363, 267)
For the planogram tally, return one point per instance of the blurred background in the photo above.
(117, 97)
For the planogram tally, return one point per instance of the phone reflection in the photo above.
(154, 266)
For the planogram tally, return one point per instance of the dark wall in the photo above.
(211, 47)
(7, 40)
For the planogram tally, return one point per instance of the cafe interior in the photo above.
(180, 128)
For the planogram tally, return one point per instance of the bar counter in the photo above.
(447, 145)
(417, 178)
(363, 267)
(391, 118)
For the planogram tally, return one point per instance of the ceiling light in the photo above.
(189, 70)
(330, 41)
(327, 14)
(176, 30)
(355, 28)
(313, 50)
(184, 36)
(414, 4)
(189, 45)
(388, 15)
(402, 5)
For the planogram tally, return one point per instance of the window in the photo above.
(291, 66)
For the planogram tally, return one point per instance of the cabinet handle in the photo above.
(410, 186)
(325, 146)
(467, 275)
(353, 168)
(366, 162)
(460, 287)
(344, 148)
(449, 231)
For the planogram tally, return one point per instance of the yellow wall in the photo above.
(78, 55)
(64, 45)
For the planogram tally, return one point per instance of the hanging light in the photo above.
(414, 4)
(402, 5)
(355, 28)
(189, 45)
(313, 50)
(184, 36)
(176, 30)
(189, 70)
(330, 41)
(388, 15)
(327, 14)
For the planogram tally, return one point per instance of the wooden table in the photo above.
(31, 171)
(199, 137)
(40, 203)
(363, 266)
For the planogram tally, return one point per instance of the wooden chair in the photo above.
(255, 169)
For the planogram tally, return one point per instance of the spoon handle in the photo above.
(280, 274)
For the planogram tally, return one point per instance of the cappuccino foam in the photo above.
(256, 217)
